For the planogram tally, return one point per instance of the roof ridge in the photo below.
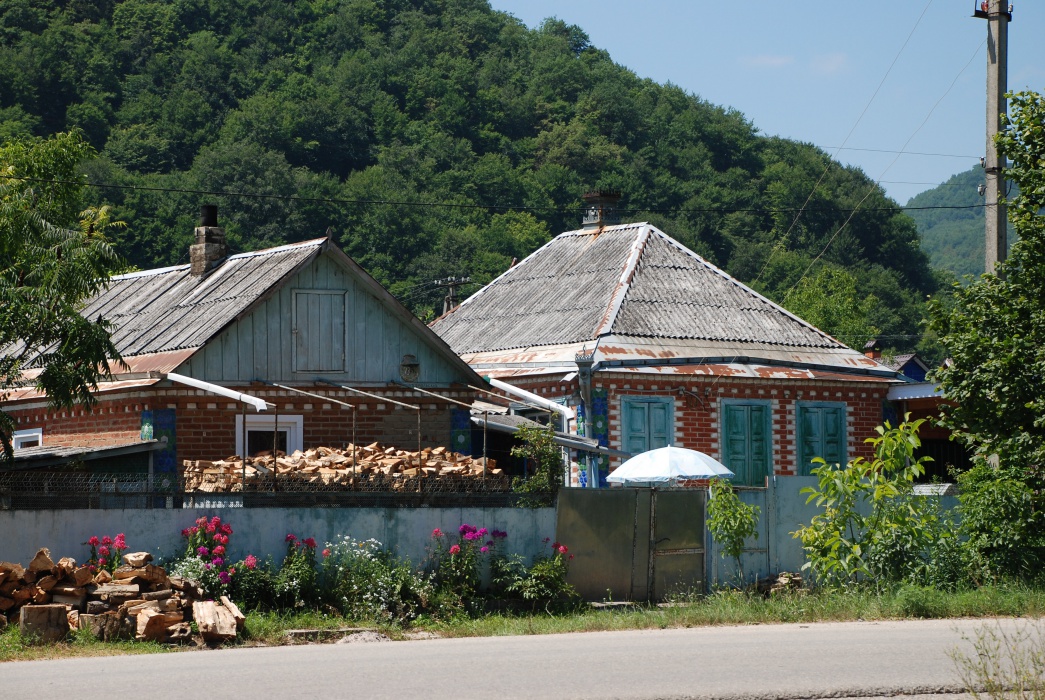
(237, 256)
(638, 246)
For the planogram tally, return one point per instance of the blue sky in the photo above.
(807, 70)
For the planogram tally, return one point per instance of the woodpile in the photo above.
(373, 467)
(136, 601)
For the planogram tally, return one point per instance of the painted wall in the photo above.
(261, 531)
(267, 343)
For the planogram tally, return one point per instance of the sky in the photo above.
(811, 71)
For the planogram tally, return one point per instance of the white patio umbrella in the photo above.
(668, 465)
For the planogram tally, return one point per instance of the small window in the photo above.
(647, 423)
(289, 433)
(747, 441)
(821, 433)
(34, 437)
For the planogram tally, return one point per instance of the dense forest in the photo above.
(429, 138)
(953, 238)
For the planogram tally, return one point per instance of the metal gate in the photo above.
(633, 544)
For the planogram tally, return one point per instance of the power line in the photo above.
(904, 153)
(496, 207)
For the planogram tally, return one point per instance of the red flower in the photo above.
(456, 549)
(310, 542)
(562, 549)
(290, 538)
(326, 553)
(106, 540)
(93, 541)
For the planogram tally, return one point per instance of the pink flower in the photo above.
(218, 550)
(456, 549)
(201, 521)
(202, 551)
(466, 528)
(101, 562)
(103, 550)
(107, 540)
(310, 542)
(326, 553)
(290, 538)
(226, 529)
(207, 567)
(93, 541)
(437, 533)
(120, 542)
(562, 549)
(185, 532)
(471, 536)
(484, 550)
(251, 562)
(482, 532)
(211, 528)
(217, 561)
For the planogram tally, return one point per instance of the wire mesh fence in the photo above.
(82, 490)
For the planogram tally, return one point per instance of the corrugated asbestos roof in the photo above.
(628, 280)
(169, 309)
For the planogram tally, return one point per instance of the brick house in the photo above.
(304, 316)
(682, 353)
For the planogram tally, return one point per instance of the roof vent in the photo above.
(600, 209)
(209, 249)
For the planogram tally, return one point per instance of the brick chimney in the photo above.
(209, 249)
(873, 349)
(600, 209)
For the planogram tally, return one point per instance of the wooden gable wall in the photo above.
(295, 336)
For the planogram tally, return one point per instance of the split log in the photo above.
(42, 561)
(137, 559)
(44, 623)
(215, 623)
(236, 614)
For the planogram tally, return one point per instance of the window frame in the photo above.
(27, 435)
(627, 399)
(803, 467)
(767, 420)
(294, 425)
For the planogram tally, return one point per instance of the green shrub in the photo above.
(296, 580)
(254, 584)
(546, 467)
(921, 601)
(731, 521)
(364, 582)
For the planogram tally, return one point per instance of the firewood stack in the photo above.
(328, 468)
(137, 601)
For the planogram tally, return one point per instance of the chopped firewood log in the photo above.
(47, 583)
(137, 559)
(152, 626)
(42, 561)
(215, 622)
(234, 609)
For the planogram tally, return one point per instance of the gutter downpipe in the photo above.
(258, 404)
(584, 372)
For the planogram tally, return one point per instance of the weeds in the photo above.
(1005, 665)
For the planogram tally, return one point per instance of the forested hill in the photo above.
(431, 137)
(953, 237)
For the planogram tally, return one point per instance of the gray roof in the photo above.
(170, 309)
(631, 280)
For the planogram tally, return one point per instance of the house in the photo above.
(679, 352)
(204, 345)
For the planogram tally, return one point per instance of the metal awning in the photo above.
(511, 425)
(921, 390)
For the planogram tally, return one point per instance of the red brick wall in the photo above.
(205, 425)
(697, 419)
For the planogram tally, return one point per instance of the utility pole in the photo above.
(451, 284)
(998, 15)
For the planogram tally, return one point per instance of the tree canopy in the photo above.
(431, 137)
(994, 329)
(53, 256)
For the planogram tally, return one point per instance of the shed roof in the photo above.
(624, 286)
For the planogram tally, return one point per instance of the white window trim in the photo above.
(29, 435)
(294, 425)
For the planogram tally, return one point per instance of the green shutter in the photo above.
(635, 427)
(821, 434)
(736, 441)
(834, 435)
(759, 443)
(659, 429)
(747, 442)
(809, 437)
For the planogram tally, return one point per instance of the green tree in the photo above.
(731, 522)
(546, 468)
(994, 329)
(871, 525)
(53, 257)
(830, 301)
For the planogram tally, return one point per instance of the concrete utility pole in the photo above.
(451, 283)
(998, 15)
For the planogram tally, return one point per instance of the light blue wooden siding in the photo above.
(372, 338)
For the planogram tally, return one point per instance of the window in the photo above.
(319, 331)
(259, 433)
(747, 440)
(821, 433)
(647, 423)
(33, 437)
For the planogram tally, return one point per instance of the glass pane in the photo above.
(261, 441)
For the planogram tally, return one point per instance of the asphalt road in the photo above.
(861, 659)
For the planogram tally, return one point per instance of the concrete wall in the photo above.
(261, 531)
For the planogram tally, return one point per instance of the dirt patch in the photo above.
(366, 637)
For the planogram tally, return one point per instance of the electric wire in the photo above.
(782, 243)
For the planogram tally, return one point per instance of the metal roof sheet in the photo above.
(638, 292)
(168, 309)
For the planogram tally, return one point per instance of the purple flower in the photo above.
(217, 561)
(499, 534)
(471, 536)
(202, 551)
(484, 550)
(466, 528)
(489, 543)
(224, 577)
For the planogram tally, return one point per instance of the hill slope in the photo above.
(953, 238)
(432, 138)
